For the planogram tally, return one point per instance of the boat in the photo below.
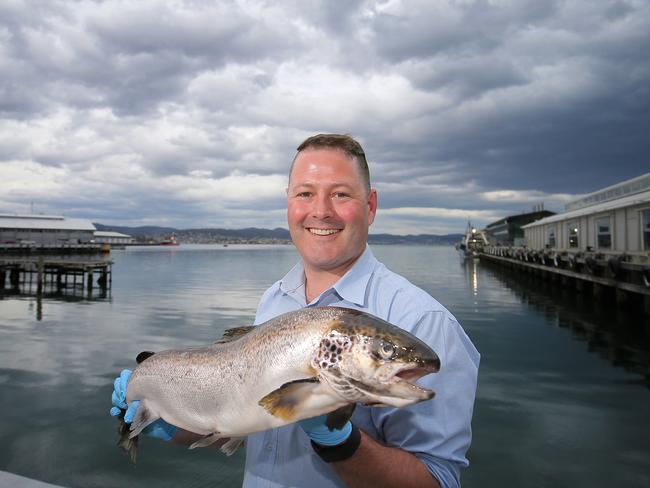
(472, 243)
(170, 241)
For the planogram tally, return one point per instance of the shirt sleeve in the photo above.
(438, 431)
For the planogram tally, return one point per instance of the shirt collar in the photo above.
(351, 287)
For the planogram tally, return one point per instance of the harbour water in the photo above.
(563, 397)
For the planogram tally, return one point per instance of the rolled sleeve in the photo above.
(438, 432)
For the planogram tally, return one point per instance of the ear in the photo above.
(372, 206)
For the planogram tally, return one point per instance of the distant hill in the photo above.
(254, 234)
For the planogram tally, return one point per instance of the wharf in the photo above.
(40, 274)
(627, 280)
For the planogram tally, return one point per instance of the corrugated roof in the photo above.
(108, 233)
(628, 201)
(44, 222)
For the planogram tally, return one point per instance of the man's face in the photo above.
(329, 210)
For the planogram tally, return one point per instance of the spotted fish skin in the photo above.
(298, 365)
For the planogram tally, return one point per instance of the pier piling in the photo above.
(45, 274)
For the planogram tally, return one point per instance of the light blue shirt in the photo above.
(437, 431)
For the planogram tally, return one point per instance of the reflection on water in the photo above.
(549, 411)
(36, 300)
(620, 335)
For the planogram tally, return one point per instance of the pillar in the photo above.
(39, 276)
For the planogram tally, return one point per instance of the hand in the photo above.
(158, 429)
(321, 434)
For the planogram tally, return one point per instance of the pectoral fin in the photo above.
(288, 399)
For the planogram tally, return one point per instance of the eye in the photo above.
(386, 350)
(304, 194)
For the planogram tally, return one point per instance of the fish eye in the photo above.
(386, 350)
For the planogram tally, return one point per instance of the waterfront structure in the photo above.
(509, 232)
(602, 240)
(44, 230)
(611, 221)
(56, 275)
(108, 237)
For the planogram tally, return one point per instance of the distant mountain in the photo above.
(254, 234)
(148, 230)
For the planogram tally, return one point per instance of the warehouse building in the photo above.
(613, 220)
(509, 232)
(109, 237)
(44, 230)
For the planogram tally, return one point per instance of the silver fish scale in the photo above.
(217, 388)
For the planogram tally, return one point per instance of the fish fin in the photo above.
(206, 440)
(143, 355)
(232, 445)
(127, 443)
(284, 401)
(235, 333)
(143, 417)
(339, 417)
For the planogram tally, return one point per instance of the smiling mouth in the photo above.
(323, 232)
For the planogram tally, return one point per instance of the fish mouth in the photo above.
(401, 389)
(406, 377)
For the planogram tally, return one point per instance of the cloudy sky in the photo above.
(188, 113)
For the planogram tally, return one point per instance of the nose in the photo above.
(322, 208)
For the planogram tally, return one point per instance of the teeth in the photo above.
(323, 232)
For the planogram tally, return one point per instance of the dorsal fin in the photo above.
(143, 355)
(234, 333)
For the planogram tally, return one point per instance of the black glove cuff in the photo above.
(345, 450)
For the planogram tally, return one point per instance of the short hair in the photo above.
(343, 142)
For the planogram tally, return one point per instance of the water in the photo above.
(563, 396)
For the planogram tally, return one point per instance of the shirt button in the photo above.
(269, 447)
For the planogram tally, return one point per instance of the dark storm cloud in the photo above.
(554, 93)
(129, 56)
(190, 111)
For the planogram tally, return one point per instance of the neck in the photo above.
(318, 280)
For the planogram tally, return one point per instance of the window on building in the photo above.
(551, 236)
(603, 233)
(573, 234)
(645, 218)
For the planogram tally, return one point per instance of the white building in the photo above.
(44, 230)
(613, 220)
(108, 237)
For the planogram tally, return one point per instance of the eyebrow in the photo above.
(312, 184)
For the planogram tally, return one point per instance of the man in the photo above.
(330, 207)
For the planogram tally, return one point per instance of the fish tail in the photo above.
(130, 445)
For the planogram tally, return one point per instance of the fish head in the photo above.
(365, 359)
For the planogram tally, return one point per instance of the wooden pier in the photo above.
(626, 282)
(55, 274)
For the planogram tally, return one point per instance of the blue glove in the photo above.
(158, 429)
(320, 433)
